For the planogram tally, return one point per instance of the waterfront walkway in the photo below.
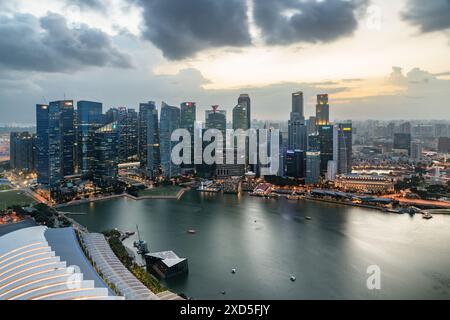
(119, 196)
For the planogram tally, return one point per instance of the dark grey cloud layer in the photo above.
(429, 16)
(288, 21)
(48, 45)
(181, 28)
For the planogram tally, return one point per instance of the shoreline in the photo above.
(120, 196)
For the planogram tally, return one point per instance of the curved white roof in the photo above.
(30, 270)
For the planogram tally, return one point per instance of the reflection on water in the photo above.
(267, 240)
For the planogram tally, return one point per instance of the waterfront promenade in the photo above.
(119, 196)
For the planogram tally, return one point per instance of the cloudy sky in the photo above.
(378, 59)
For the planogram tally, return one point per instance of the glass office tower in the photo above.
(89, 116)
(169, 122)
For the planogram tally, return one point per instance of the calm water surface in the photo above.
(268, 240)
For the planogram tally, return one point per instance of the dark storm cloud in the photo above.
(181, 28)
(289, 21)
(48, 45)
(429, 16)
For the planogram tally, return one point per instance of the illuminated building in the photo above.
(128, 134)
(342, 147)
(22, 151)
(364, 183)
(326, 147)
(322, 110)
(149, 140)
(106, 155)
(90, 118)
(56, 143)
(169, 122)
(312, 167)
(296, 164)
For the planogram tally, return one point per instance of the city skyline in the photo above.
(136, 59)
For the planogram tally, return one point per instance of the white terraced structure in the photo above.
(30, 270)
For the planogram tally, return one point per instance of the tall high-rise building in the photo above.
(56, 141)
(106, 155)
(326, 147)
(322, 110)
(127, 120)
(22, 151)
(312, 167)
(89, 119)
(240, 118)
(67, 134)
(148, 127)
(298, 133)
(314, 142)
(216, 119)
(188, 119)
(42, 144)
(295, 162)
(297, 106)
(112, 115)
(188, 116)
(311, 125)
(169, 122)
(343, 147)
(244, 101)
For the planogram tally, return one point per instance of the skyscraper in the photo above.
(297, 130)
(312, 167)
(90, 118)
(106, 156)
(169, 122)
(322, 110)
(187, 121)
(326, 147)
(240, 117)
(22, 151)
(295, 161)
(56, 141)
(342, 147)
(127, 121)
(297, 105)
(244, 101)
(67, 132)
(148, 128)
(216, 119)
(42, 144)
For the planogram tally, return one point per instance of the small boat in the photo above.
(224, 292)
(427, 216)
(293, 278)
(233, 271)
(192, 231)
(308, 218)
